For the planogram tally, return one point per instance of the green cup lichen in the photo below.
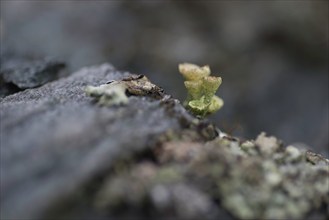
(201, 88)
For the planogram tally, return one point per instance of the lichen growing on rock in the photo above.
(117, 92)
(264, 179)
(149, 160)
(201, 88)
(254, 179)
(109, 94)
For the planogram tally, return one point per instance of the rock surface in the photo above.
(65, 157)
(19, 73)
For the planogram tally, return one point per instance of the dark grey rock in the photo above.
(54, 138)
(18, 72)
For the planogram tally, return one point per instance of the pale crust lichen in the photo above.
(249, 180)
(115, 92)
(201, 88)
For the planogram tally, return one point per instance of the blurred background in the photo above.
(272, 55)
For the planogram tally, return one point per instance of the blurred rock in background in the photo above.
(273, 55)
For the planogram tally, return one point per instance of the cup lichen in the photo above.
(201, 88)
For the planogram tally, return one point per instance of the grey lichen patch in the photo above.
(255, 179)
(179, 151)
(267, 145)
(293, 154)
(272, 182)
(201, 88)
(119, 190)
(162, 188)
(182, 201)
(117, 92)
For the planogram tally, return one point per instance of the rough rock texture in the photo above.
(18, 72)
(54, 138)
(65, 157)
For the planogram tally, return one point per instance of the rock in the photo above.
(55, 138)
(19, 73)
(65, 156)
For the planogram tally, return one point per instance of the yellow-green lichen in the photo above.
(201, 89)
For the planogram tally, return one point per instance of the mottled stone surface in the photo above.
(55, 138)
(260, 179)
(63, 156)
